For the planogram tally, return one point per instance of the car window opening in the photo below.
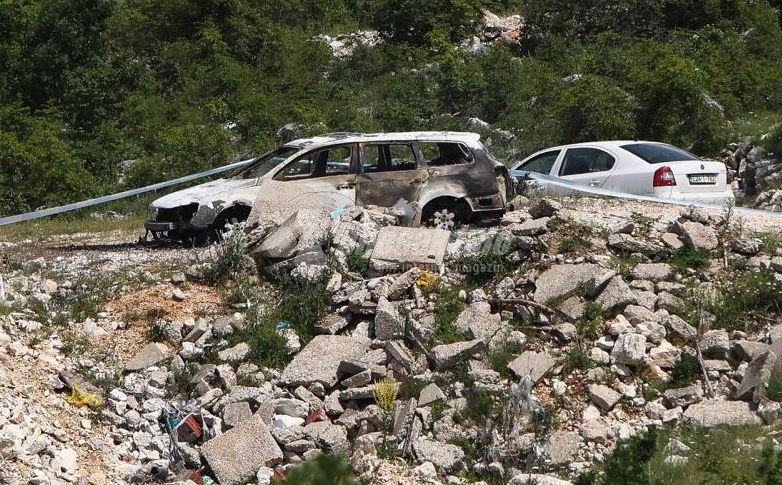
(321, 163)
(443, 154)
(387, 158)
(266, 162)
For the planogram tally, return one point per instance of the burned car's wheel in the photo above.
(443, 219)
(227, 218)
(445, 214)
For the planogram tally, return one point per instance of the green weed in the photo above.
(687, 258)
(357, 262)
(685, 371)
(448, 306)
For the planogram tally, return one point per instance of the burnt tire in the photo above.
(446, 214)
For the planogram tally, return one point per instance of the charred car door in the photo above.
(323, 178)
(390, 174)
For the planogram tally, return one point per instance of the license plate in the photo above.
(703, 179)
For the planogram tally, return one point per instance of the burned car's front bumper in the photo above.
(172, 222)
(158, 226)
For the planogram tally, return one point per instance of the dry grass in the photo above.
(156, 302)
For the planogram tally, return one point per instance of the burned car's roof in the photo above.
(331, 138)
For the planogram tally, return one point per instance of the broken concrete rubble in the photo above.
(533, 364)
(236, 455)
(321, 358)
(148, 356)
(402, 248)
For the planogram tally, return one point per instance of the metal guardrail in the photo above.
(559, 182)
(29, 216)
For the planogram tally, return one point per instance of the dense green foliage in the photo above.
(711, 460)
(180, 85)
(323, 470)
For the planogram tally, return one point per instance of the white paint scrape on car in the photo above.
(634, 167)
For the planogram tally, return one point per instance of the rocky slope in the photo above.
(495, 354)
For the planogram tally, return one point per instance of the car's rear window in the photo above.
(657, 153)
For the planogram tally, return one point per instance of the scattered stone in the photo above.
(534, 364)
(478, 321)
(616, 294)
(696, 235)
(389, 324)
(445, 356)
(537, 479)
(320, 359)
(446, 457)
(652, 271)
(747, 247)
(331, 324)
(237, 353)
(756, 377)
(605, 397)
(629, 349)
(672, 241)
(236, 413)
(713, 413)
(236, 455)
(561, 447)
(683, 396)
(178, 295)
(545, 207)
(559, 282)
(148, 356)
(403, 283)
(534, 227)
(430, 394)
(715, 343)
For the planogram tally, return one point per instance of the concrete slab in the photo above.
(398, 249)
(236, 455)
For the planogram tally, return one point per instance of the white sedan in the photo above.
(634, 167)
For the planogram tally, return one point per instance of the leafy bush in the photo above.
(685, 370)
(226, 257)
(324, 470)
(688, 258)
(37, 165)
(578, 358)
(773, 142)
(500, 356)
(302, 307)
(420, 22)
(627, 465)
(481, 404)
(591, 108)
(448, 306)
(357, 262)
(750, 293)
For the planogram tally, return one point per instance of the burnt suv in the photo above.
(439, 178)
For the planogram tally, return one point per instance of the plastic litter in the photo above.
(84, 398)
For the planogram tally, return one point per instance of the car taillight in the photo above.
(663, 177)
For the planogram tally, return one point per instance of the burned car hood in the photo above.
(223, 191)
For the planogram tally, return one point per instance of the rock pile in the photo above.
(758, 171)
(482, 366)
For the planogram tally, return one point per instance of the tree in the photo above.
(419, 21)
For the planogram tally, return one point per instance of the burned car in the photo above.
(438, 178)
